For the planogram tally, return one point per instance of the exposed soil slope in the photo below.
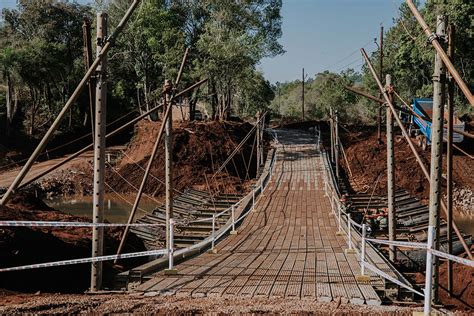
(367, 161)
(199, 149)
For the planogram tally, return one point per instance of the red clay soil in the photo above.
(23, 245)
(199, 148)
(367, 161)
(463, 282)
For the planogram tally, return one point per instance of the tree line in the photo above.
(408, 58)
(42, 57)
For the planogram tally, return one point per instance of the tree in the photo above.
(9, 72)
(47, 41)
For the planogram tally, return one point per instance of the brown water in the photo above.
(116, 210)
(465, 222)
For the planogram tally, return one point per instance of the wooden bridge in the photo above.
(286, 248)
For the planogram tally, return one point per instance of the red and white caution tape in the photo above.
(460, 260)
(388, 277)
(85, 260)
(416, 245)
(70, 224)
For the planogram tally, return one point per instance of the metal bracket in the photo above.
(432, 37)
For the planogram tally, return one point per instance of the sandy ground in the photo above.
(138, 303)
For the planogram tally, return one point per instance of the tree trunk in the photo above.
(9, 104)
(214, 100)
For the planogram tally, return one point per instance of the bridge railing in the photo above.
(338, 210)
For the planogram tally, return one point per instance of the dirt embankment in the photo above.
(199, 149)
(23, 245)
(463, 281)
(368, 163)
(368, 160)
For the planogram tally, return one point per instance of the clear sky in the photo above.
(321, 34)
(327, 35)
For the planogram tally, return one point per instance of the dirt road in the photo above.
(6, 178)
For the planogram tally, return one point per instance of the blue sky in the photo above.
(327, 35)
(322, 35)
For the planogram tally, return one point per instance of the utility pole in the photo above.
(449, 162)
(379, 111)
(86, 33)
(331, 129)
(336, 142)
(302, 95)
(262, 130)
(392, 222)
(99, 154)
(257, 135)
(437, 150)
(167, 88)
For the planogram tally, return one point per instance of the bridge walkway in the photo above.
(286, 248)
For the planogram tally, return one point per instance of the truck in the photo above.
(421, 128)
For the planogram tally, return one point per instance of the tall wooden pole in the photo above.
(86, 33)
(331, 129)
(437, 150)
(262, 130)
(379, 112)
(336, 144)
(302, 96)
(257, 135)
(99, 155)
(449, 162)
(392, 222)
(168, 158)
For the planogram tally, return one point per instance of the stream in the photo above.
(116, 210)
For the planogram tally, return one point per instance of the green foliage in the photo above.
(326, 90)
(41, 57)
(409, 58)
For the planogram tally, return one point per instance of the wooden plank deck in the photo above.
(286, 248)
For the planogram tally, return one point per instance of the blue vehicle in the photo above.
(421, 128)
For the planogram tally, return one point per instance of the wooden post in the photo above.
(86, 33)
(331, 128)
(262, 131)
(449, 162)
(437, 150)
(336, 144)
(168, 158)
(392, 221)
(379, 111)
(99, 155)
(257, 135)
(302, 96)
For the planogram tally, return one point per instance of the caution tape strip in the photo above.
(460, 260)
(416, 245)
(70, 224)
(388, 277)
(85, 260)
